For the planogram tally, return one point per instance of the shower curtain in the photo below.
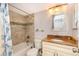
(5, 35)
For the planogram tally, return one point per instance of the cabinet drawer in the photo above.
(58, 45)
(47, 52)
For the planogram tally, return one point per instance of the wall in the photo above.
(21, 27)
(75, 32)
(78, 25)
(18, 34)
(15, 17)
(17, 29)
(43, 21)
(30, 27)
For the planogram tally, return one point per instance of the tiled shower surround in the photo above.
(21, 28)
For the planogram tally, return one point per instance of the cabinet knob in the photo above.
(55, 54)
(74, 50)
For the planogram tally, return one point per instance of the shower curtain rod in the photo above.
(18, 9)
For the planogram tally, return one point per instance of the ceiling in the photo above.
(30, 8)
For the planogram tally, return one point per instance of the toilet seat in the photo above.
(32, 52)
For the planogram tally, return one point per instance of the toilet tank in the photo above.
(38, 43)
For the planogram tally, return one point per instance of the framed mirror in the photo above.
(58, 22)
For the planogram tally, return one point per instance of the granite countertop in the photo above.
(63, 42)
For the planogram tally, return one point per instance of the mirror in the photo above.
(58, 21)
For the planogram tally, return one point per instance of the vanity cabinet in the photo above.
(54, 49)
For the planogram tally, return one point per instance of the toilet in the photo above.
(34, 51)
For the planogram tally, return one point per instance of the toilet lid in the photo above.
(32, 52)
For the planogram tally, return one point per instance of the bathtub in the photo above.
(21, 49)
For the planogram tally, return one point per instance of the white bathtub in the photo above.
(21, 49)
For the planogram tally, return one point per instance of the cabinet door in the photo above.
(51, 49)
(62, 53)
(48, 50)
(65, 51)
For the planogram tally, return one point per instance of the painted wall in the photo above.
(43, 21)
(78, 25)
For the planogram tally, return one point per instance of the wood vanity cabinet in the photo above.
(54, 49)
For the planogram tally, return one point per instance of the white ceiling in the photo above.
(33, 7)
(11, 8)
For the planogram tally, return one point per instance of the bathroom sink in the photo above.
(57, 40)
